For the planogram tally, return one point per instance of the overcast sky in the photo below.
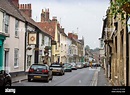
(83, 17)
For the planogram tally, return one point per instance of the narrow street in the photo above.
(79, 77)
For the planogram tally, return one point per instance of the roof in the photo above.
(32, 22)
(11, 9)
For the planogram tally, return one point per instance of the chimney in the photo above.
(58, 25)
(26, 8)
(54, 18)
(15, 2)
(70, 35)
(63, 29)
(75, 36)
(45, 15)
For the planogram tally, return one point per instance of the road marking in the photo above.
(19, 81)
(94, 79)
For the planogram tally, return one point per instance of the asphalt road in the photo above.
(79, 77)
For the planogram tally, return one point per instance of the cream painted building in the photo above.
(14, 45)
(56, 48)
(63, 47)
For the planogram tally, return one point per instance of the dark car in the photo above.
(5, 78)
(57, 69)
(39, 72)
(67, 67)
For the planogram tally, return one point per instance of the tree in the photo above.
(87, 48)
(120, 7)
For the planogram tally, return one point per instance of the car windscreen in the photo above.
(55, 65)
(38, 67)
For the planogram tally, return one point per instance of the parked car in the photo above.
(79, 65)
(84, 64)
(57, 69)
(67, 67)
(74, 66)
(40, 72)
(87, 64)
(5, 78)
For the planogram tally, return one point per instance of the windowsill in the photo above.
(15, 67)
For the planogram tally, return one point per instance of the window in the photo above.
(102, 44)
(16, 52)
(6, 23)
(42, 39)
(28, 60)
(56, 47)
(16, 27)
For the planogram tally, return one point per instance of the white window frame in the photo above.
(16, 57)
(6, 21)
(16, 28)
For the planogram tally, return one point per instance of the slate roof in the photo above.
(10, 9)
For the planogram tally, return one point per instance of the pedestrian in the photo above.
(56, 62)
(43, 61)
(61, 63)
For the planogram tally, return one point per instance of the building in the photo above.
(115, 49)
(3, 36)
(53, 29)
(38, 42)
(13, 25)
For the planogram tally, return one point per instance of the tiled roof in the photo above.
(10, 9)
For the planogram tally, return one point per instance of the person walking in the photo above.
(43, 61)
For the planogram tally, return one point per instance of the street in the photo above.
(79, 77)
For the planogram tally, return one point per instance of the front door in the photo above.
(6, 66)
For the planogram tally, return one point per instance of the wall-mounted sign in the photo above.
(32, 38)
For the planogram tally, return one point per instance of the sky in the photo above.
(83, 17)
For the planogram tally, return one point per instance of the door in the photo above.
(6, 63)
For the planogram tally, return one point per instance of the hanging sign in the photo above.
(32, 38)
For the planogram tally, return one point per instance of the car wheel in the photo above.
(8, 84)
(29, 80)
(51, 78)
(47, 80)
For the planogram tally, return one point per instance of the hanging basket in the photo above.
(126, 7)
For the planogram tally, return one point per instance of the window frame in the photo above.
(16, 57)
(16, 28)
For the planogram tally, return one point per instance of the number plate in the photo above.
(37, 76)
(54, 70)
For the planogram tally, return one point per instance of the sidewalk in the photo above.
(102, 80)
(19, 78)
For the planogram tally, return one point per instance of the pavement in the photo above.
(99, 78)
(19, 78)
(102, 79)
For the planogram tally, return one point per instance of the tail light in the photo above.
(31, 70)
(45, 71)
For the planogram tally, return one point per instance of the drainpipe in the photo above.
(127, 53)
(25, 46)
